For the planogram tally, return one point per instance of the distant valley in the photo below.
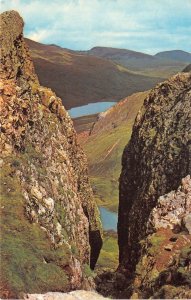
(100, 74)
(103, 74)
(89, 82)
(102, 134)
(102, 137)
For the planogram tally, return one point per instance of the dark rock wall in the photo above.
(157, 157)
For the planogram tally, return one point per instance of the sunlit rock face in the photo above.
(173, 210)
(50, 223)
(82, 295)
(164, 268)
(155, 160)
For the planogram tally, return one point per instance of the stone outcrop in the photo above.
(164, 269)
(173, 210)
(50, 224)
(187, 68)
(154, 162)
(82, 295)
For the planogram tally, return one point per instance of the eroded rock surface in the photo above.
(154, 162)
(76, 295)
(164, 270)
(173, 210)
(48, 213)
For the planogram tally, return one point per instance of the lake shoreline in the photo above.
(109, 219)
(90, 109)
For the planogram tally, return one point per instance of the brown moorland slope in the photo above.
(163, 64)
(80, 79)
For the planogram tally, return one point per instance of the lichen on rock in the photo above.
(173, 210)
(82, 295)
(155, 160)
(39, 150)
(154, 204)
(164, 268)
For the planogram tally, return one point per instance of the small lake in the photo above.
(108, 218)
(90, 109)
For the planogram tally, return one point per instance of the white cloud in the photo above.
(39, 35)
(82, 24)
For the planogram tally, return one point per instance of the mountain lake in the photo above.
(89, 109)
(108, 219)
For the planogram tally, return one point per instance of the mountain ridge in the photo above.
(145, 64)
(95, 79)
(179, 55)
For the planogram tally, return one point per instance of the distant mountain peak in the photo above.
(112, 50)
(179, 55)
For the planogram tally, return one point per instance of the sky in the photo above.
(148, 26)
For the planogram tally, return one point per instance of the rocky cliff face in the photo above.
(157, 157)
(50, 223)
(164, 269)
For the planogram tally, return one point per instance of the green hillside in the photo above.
(105, 145)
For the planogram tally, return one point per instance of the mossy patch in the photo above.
(61, 213)
(184, 261)
(152, 133)
(156, 240)
(185, 252)
(28, 261)
(106, 192)
(74, 250)
(87, 271)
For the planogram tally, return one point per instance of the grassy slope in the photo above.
(109, 253)
(105, 170)
(84, 123)
(104, 148)
(28, 263)
(162, 71)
